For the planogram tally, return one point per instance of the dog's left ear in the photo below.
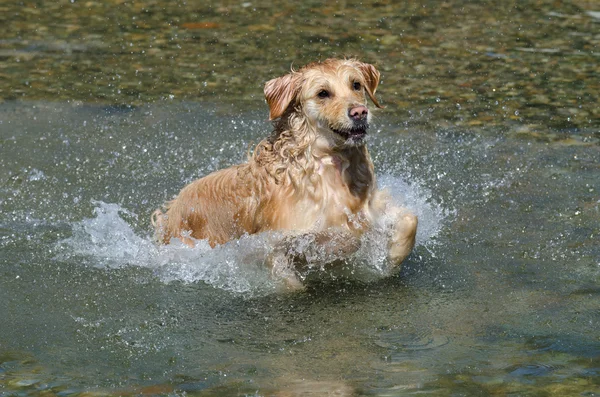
(371, 76)
(280, 92)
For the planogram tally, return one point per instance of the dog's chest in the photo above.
(326, 198)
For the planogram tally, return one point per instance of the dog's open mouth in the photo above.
(355, 134)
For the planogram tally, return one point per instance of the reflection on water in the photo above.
(500, 295)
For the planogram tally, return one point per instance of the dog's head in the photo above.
(331, 95)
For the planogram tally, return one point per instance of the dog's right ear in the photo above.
(371, 76)
(280, 92)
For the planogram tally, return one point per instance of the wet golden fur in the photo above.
(312, 175)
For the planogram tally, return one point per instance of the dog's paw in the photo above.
(283, 271)
(403, 238)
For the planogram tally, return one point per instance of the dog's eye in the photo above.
(356, 85)
(323, 94)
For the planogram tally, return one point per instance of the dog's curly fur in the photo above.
(312, 175)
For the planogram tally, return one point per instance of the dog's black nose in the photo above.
(359, 112)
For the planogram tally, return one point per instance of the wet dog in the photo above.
(312, 176)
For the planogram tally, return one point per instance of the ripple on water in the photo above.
(401, 343)
(530, 370)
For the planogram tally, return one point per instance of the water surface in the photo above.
(500, 294)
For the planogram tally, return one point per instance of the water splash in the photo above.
(419, 200)
(108, 241)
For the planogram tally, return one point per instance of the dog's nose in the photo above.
(358, 112)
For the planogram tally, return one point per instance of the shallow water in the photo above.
(491, 134)
(500, 295)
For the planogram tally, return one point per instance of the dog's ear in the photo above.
(280, 92)
(371, 76)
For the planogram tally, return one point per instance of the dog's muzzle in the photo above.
(355, 133)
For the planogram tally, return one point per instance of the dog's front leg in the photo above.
(402, 240)
(282, 268)
(292, 257)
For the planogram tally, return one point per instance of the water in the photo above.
(490, 134)
(500, 294)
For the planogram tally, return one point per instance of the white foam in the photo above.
(108, 241)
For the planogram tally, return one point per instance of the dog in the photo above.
(312, 176)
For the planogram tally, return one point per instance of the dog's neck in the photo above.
(300, 150)
(351, 162)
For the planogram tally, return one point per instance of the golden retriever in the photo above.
(312, 176)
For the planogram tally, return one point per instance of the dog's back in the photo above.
(216, 208)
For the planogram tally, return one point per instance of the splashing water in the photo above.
(109, 241)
